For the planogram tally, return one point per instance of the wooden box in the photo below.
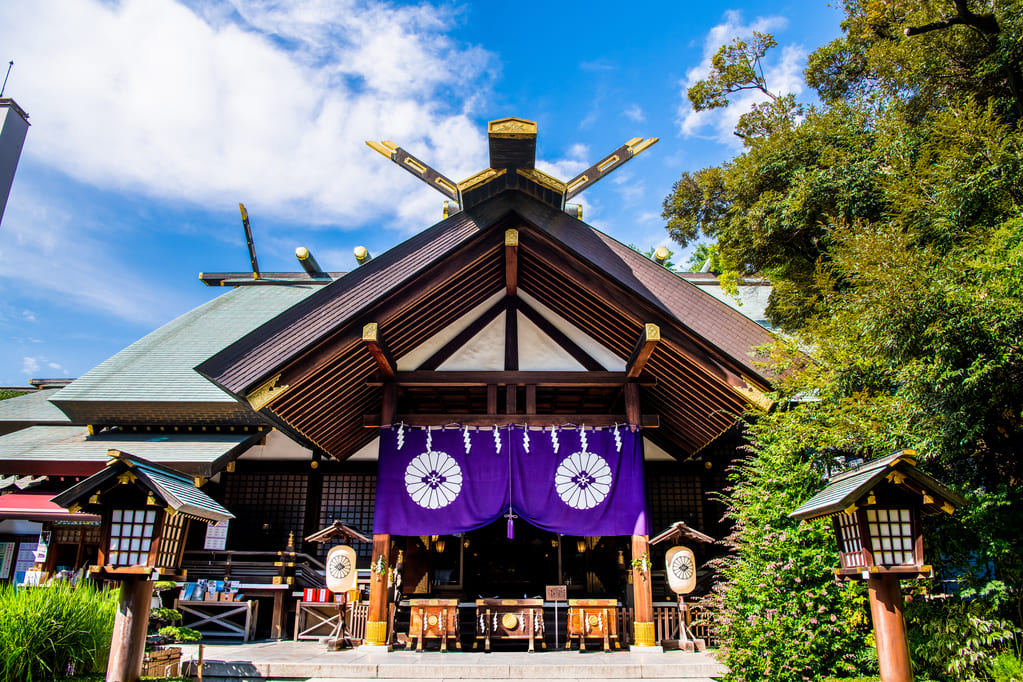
(434, 619)
(509, 619)
(593, 619)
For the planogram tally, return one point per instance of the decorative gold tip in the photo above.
(199, 481)
(90, 429)
(75, 508)
(928, 499)
(445, 214)
(851, 509)
(480, 178)
(126, 477)
(871, 498)
(947, 508)
(644, 145)
(371, 332)
(386, 148)
(511, 237)
(245, 214)
(661, 254)
(302, 253)
(512, 127)
(633, 142)
(652, 331)
(230, 467)
(94, 499)
(314, 464)
(361, 253)
(754, 394)
(151, 499)
(264, 393)
(113, 453)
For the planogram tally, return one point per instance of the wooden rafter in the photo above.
(646, 421)
(374, 343)
(645, 346)
(468, 378)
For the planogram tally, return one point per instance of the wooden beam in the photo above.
(632, 405)
(492, 399)
(511, 340)
(467, 378)
(558, 337)
(474, 328)
(645, 346)
(511, 399)
(374, 342)
(511, 260)
(531, 399)
(646, 421)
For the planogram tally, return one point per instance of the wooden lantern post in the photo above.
(875, 510)
(146, 509)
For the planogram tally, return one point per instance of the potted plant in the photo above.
(161, 660)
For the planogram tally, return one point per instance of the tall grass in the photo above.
(54, 631)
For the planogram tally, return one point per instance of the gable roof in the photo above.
(34, 407)
(152, 381)
(703, 366)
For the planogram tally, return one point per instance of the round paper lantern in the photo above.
(341, 568)
(681, 565)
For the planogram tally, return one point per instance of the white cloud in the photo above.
(575, 161)
(783, 74)
(260, 101)
(635, 113)
(29, 365)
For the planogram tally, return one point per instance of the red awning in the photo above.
(38, 507)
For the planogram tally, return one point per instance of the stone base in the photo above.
(646, 649)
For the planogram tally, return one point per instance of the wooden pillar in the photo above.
(633, 411)
(886, 610)
(643, 595)
(279, 616)
(376, 621)
(129, 639)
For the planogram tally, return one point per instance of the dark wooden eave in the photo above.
(314, 358)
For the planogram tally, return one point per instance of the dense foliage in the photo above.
(54, 631)
(890, 222)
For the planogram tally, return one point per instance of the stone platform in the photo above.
(310, 662)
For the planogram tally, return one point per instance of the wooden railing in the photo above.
(358, 614)
(254, 567)
(698, 617)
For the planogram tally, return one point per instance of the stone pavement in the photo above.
(309, 661)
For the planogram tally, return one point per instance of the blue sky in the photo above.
(152, 119)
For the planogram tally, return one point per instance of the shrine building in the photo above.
(508, 400)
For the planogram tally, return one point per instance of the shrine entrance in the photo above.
(496, 566)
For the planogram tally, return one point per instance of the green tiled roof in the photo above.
(195, 453)
(34, 406)
(159, 366)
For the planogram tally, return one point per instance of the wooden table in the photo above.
(509, 619)
(593, 619)
(434, 619)
(314, 620)
(219, 618)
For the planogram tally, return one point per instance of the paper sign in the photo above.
(557, 592)
(216, 535)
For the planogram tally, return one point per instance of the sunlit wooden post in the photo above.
(376, 621)
(643, 595)
(875, 510)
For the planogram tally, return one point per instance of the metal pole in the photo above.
(9, 65)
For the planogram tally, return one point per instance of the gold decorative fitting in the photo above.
(511, 237)
(608, 163)
(95, 498)
(652, 331)
(642, 145)
(644, 634)
(871, 498)
(151, 500)
(376, 632)
(512, 127)
(446, 185)
(480, 178)
(75, 508)
(386, 148)
(947, 508)
(510, 621)
(90, 429)
(199, 481)
(432, 620)
(314, 464)
(126, 478)
(230, 467)
(896, 477)
(928, 499)
(371, 332)
(754, 395)
(265, 393)
(542, 178)
(851, 509)
(582, 179)
(415, 165)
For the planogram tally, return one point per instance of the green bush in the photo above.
(54, 631)
(180, 633)
(1006, 667)
(165, 615)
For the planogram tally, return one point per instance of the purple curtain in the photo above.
(451, 481)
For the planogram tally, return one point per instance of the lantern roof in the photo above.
(847, 488)
(679, 530)
(337, 530)
(172, 488)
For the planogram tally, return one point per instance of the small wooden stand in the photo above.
(509, 619)
(593, 619)
(434, 619)
(686, 641)
(215, 618)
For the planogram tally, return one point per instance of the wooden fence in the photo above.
(698, 617)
